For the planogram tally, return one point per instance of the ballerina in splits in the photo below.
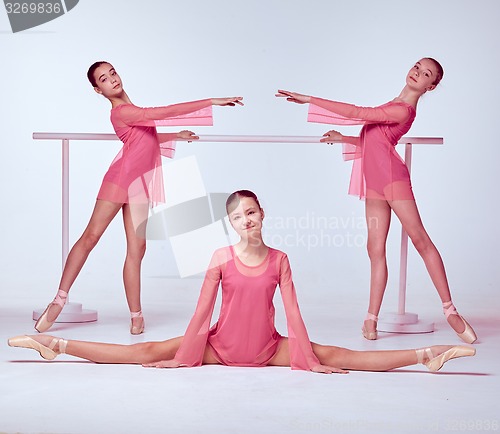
(245, 334)
(132, 183)
(381, 178)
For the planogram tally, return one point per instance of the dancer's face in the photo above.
(422, 76)
(247, 218)
(109, 83)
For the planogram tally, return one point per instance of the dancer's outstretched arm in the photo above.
(331, 136)
(396, 113)
(230, 101)
(146, 116)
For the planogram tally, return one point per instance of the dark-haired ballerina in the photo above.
(132, 183)
(381, 177)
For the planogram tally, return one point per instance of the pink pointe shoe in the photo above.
(43, 324)
(468, 335)
(48, 353)
(136, 329)
(371, 336)
(436, 363)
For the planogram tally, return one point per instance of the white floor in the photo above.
(71, 396)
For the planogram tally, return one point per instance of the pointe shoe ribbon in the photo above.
(468, 335)
(436, 363)
(370, 335)
(47, 353)
(43, 324)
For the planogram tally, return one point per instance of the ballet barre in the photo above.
(399, 322)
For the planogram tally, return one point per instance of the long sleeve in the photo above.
(339, 113)
(192, 348)
(167, 144)
(197, 113)
(193, 113)
(301, 353)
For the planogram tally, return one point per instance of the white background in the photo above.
(168, 52)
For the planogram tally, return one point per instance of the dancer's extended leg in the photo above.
(378, 219)
(383, 360)
(136, 248)
(147, 352)
(98, 352)
(102, 215)
(408, 214)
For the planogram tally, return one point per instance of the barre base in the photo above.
(404, 323)
(71, 313)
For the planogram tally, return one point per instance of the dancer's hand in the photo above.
(331, 137)
(322, 369)
(164, 364)
(293, 96)
(187, 135)
(232, 101)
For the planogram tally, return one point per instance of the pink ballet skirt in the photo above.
(244, 334)
(378, 172)
(135, 175)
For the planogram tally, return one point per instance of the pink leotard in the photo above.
(135, 175)
(378, 172)
(244, 334)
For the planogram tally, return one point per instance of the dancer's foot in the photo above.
(136, 323)
(49, 316)
(48, 346)
(369, 328)
(457, 322)
(436, 356)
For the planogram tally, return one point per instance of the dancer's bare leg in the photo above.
(357, 360)
(103, 214)
(366, 360)
(145, 352)
(140, 353)
(378, 219)
(408, 214)
(136, 248)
